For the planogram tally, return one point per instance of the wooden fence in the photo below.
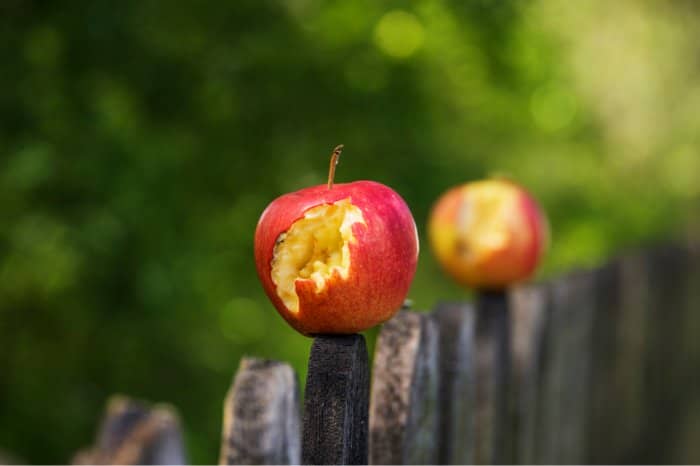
(597, 366)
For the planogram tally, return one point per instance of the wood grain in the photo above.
(606, 405)
(403, 408)
(133, 432)
(261, 415)
(668, 377)
(457, 382)
(529, 315)
(336, 403)
(564, 395)
(633, 339)
(688, 447)
(493, 367)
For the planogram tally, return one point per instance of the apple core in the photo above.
(314, 248)
(482, 222)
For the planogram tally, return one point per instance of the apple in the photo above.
(337, 258)
(488, 234)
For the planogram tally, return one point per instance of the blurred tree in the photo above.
(139, 143)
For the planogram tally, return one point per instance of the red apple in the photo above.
(337, 258)
(488, 234)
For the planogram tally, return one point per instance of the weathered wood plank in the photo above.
(134, 433)
(336, 402)
(619, 389)
(529, 325)
(627, 428)
(564, 393)
(606, 405)
(403, 418)
(667, 376)
(457, 381)
(688, 447)
(493, 367)
(261, 415)
(7, 457)
(659, 364)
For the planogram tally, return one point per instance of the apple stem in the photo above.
(335, 157)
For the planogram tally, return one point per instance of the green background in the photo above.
(141, 140)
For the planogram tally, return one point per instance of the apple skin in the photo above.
(526, 233)
(383, 259)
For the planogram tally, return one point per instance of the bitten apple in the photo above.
(337, 258)
(488, 234)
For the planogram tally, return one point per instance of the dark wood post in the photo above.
(261, 415)
(336, 402)
(403, 408)
(492, 378)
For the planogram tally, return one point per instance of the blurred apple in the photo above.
(488, 234)
(337, 258)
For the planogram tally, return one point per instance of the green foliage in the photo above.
(140, 141)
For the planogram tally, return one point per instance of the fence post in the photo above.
(403, 408)
(261, 415)
(492, 378)
(529, 326)
(633, 340)
(564, 392)
(457, 396)
(616, 377)
(134, 433)
(667, 380)
(688, 450)
(336, 402)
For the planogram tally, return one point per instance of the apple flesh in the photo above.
(337, 260)
(488, 234)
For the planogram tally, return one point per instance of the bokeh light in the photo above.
(399, 34)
